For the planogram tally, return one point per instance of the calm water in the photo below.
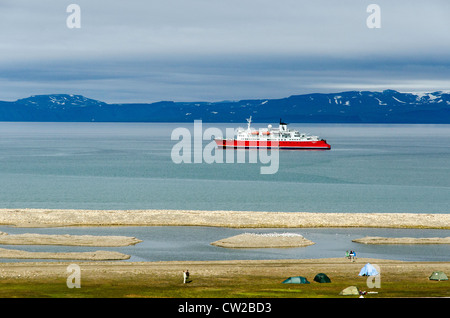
(371, 168)
(194, 243)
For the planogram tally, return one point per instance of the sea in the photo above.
(371, 168)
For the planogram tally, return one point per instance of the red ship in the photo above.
(282, 138)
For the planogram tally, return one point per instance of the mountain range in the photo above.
(388, 106)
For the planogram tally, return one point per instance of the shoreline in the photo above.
(44, 268)
(224, 279)
(230, 219)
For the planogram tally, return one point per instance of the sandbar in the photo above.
(66, 239)
(90, 256)
(402, 240)
(232, 219)
(268, 240)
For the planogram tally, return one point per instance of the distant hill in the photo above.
(388, 106)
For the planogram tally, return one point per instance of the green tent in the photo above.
(351, 290)
(322, 278)
(438, 275)
(296, 280)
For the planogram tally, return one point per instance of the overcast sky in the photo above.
(212, 50)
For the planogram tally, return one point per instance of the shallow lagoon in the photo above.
(193, 243)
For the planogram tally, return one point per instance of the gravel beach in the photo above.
(233, 219)
(230, 278)
(66, 239)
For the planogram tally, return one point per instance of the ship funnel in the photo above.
(283, 126)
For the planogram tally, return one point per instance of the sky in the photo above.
(214, 50)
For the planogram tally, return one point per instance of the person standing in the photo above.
(185, 276)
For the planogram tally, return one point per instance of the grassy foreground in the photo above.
(224, 279)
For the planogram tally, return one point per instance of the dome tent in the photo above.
(322, 278)
(438, 275)
(296, 280)
(368, 270)
(351, 290)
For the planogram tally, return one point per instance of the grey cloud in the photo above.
(144, 50)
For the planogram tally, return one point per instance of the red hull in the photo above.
(320, 144)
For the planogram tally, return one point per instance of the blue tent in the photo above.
(368, 270)
(296, 280)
